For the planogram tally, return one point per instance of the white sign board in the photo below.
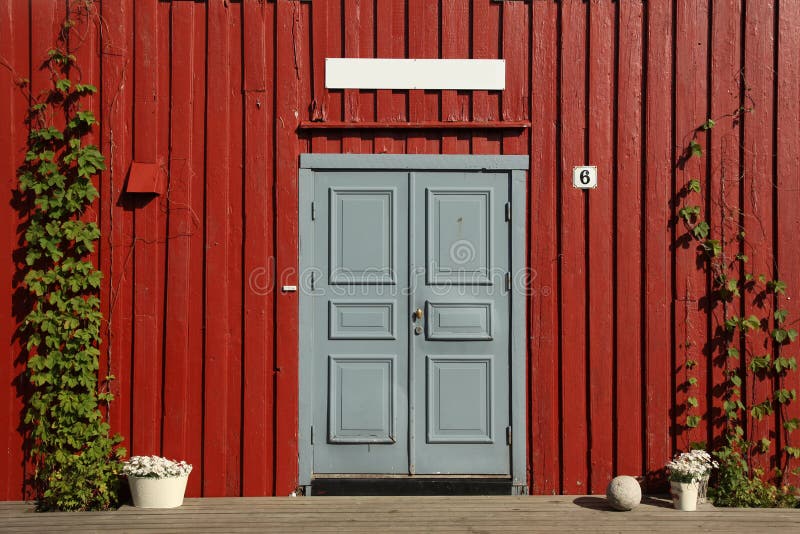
(584, 177)
(379, 73)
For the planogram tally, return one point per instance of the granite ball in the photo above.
(624, 493)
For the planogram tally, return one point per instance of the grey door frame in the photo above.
(516, 166)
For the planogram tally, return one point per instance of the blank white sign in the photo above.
(371, 73)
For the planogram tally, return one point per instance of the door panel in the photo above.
(397, 392)
(360, 368)
(461, 365)
(460, 402)
(361, 398)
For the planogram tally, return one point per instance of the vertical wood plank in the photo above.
(574, 414)
(258, 257)
(544, 454)
(235, 251)
(481, 35)
(351, 23)
(117, 224)
(757, 180)
(13, 104)
(217, 273)
(516, 35)
(455, 44)
(691, 109)
(657, 152)
(288, 40)
(367, 98)
(182, 223)
(416, 49)
(334, 48)
(601, 245)
(147, 364)
(628, 224)
(196, 311)
(723, 155)
(384, 49)
(319, 47)
(788, 192)
(431, 48)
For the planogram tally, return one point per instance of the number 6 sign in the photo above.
(584, 177)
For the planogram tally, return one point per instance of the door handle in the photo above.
(418, 314)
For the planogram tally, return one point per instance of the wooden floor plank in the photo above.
(403, 514)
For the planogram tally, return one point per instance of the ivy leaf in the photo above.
(687, 213)
(761, 410)
(693, 421)
(736, 380)
(780, 335)
(759, 363)
(733, 352)
(794, 452)
(701, 230)
(780, 316)
(695, 150)
(776, 286)
(790, 425)
(63, 85)
(712, 247)
(692, 401)
(784, 364)
(694, 185)
(784, 396)
(708, 124)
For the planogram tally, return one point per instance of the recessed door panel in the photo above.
(361, 398)
(459, 239)
(362, 235)
(460, 402)
(361, 319)
(459, 321)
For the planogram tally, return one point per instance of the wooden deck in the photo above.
(404, 514)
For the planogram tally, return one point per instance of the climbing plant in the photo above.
(754, 348)
(75, 458)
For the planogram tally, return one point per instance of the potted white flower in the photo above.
(156, 482)
(687, 471)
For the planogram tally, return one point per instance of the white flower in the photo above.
(155, 467)
(690, 466)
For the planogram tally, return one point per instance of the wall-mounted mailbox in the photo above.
(145, 178)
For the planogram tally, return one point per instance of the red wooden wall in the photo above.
(203, 347)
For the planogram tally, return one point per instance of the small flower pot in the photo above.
(684, 495)
(148, 492)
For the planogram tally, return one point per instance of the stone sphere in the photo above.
(624, 493)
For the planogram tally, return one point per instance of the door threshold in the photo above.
(357, 485)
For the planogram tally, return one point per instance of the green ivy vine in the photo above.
(76, 460)
(754, 349)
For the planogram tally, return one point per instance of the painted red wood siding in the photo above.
(203, 346)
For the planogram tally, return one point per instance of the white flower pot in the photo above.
(157, 492)
(684, 495)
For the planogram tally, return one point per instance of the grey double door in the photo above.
(411, 353)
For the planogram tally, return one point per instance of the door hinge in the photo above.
(313, 211)
(312, 434)
(508, 211)
(508, 435)
(508, 281)
(312, 282)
